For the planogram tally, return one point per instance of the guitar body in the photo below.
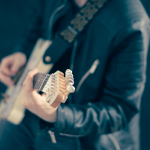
(12, 109)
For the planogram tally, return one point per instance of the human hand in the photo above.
(9, 66)
(35, 102)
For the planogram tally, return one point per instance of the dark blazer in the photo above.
(109, 65)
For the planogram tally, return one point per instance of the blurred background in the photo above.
(13, 19)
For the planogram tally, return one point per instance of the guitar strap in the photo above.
(65, 39)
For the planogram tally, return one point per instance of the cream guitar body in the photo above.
(11, 108)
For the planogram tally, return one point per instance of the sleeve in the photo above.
(31, 33)
(122, 89)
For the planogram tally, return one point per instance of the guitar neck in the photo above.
(56, 86)
(40, 80)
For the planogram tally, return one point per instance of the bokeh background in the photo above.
(13, 19)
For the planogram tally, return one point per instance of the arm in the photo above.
(11, 64)
(122, 91)
(31, 33)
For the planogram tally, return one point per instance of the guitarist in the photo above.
(109, 63)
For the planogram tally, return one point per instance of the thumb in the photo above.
(15, 67)
(43, 95)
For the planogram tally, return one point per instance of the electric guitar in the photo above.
(56, 86)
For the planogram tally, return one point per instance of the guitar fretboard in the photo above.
(40, 80)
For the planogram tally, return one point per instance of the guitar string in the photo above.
(41, 78)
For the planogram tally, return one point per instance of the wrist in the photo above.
(53, 117)
(46, 126)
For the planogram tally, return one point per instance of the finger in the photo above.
(29, 80)
(6, 71)
(6, 80)
(16, 65)
(5, 66)
(30, 73)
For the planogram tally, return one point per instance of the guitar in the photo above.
(56, 86)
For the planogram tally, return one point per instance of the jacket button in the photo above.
(47, 58)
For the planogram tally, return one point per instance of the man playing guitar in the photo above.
(108, 61)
